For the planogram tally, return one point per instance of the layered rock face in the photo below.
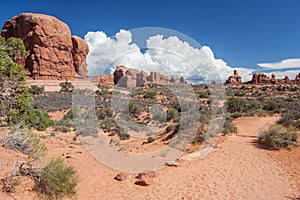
(52, 53)
(235, 78)
(128, 77)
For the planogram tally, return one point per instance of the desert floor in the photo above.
(236, 169)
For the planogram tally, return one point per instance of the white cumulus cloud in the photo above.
(169, 56)
(284, 64)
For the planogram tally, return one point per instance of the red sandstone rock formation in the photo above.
(106, 80)
(259, 78)
(51, 51)
(288, 81)
(156, 77)
(128, 77)
(182, 80)
(119, 73)
(297, 79)
(173, 79)
(235, 78)
(141, 79)
(273, 80)
(79, 53)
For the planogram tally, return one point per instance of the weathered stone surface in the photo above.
(235, 78)
(51, 53)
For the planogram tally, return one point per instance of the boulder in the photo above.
(149, 173)
(120, 177)
(146, 178)
(51, 51)
(172, 163)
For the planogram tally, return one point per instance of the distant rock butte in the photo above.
(235, 78)
(52, 53)
(128, 77)
(263, 79)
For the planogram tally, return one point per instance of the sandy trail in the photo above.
(235, 169)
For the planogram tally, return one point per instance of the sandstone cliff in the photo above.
(52, 53)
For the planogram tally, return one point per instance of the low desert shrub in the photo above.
(150, 139)
(236, 105)
(150, 94)
(272, 105)
(36, 90)
(239, 94)
(277, 136)
(158, 114)
(171, 114)
(88, 131)
(67, 120)
(8, 184)
(66, 86)
(102, 91)
(63, 129)
(133, 108)
(291, 117)
(123, 135)
(37, 119)
(57, 180)
(203, 95)
(103, 113)
(25, 141)
(199, 136)
(107, 124)
(228, 126)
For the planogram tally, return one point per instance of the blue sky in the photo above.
(242, 33)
